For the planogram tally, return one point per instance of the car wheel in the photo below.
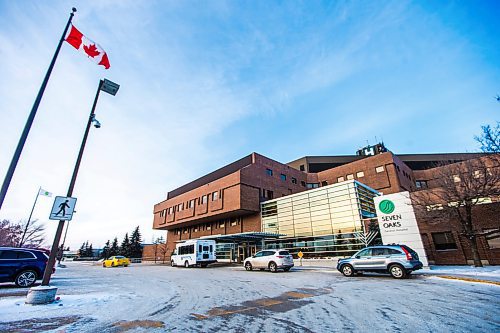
(172, 263)
(397, 271)
(26, 278)
(287, 269)
(104, 265)
(125, 265)
(186, 264)
(204, 265)
(248, 266)
(273, 267)
(347, 270)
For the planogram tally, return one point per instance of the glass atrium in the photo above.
(329, 221)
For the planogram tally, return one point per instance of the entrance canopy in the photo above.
(244, 237)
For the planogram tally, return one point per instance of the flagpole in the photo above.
(29, 218)
(31, 117)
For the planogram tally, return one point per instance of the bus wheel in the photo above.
(186, 264)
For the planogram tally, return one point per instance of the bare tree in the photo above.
(11, 234)
(490, 138)
(34, 234)
(454, 192)
(163, 250)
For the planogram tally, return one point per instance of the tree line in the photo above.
(130, 247)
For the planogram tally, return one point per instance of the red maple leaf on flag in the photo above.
(91, 50)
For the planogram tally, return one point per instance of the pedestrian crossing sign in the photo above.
(63, 209)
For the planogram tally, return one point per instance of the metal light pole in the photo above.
(111, 88)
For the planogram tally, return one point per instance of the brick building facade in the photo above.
(227, 201)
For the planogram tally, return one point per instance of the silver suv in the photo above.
(397, 260)
(271, 259)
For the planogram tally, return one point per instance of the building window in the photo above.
(195, 229)
(350, 177)
(360, 174)
(302, 167)
(180, 207)
(421, 183)
(233, 222)
(379, 169)
(324, 183)
(340, 179)
(221, 225)
(161, 213)
(294, 180)
(444, 241)
(215, 196)
(456, 178)
(312, 185)
(270, 194)
(209, 227)
(191, 204)
(269, 172)
(283, 177)
(203, 199)
(303, 183)
(493, 238)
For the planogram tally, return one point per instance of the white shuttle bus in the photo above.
(195, 252)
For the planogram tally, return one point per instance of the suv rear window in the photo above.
(394, 251)
(24, 255)
(12, 254)
(284, 253)
(8, 255)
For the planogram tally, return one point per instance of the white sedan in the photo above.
(269, 259)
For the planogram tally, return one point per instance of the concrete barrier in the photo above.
(41, 295)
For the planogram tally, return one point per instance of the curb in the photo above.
(449, 277)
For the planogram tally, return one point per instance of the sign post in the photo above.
(300, 255)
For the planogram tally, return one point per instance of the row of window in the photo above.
(283, 177)
(406, 174)
(191, 203)
(446, 240)
(208, 226)
(359, 174)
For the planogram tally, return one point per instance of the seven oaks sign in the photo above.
(398, 224)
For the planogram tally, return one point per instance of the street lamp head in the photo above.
(109, 87)
(96, 122)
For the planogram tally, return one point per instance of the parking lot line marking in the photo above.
(268, 302)
(295, 294)
(468, 279)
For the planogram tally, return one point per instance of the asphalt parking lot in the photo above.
(214, 299)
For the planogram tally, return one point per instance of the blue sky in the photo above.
(204, 83)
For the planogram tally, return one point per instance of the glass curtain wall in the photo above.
(322, 222)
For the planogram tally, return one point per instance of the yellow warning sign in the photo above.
(300, 254)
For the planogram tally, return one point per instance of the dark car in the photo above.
(397, 260)
(22, 266)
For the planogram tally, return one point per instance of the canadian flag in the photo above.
(91, 49)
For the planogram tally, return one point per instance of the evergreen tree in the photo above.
(125, 247)
(105, 250)
(90, 251)
(113, 251)
(135, 244)
(81, 251)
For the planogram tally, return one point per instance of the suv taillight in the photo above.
(280, 257)
(408, 254)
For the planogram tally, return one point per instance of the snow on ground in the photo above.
(159, 298)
